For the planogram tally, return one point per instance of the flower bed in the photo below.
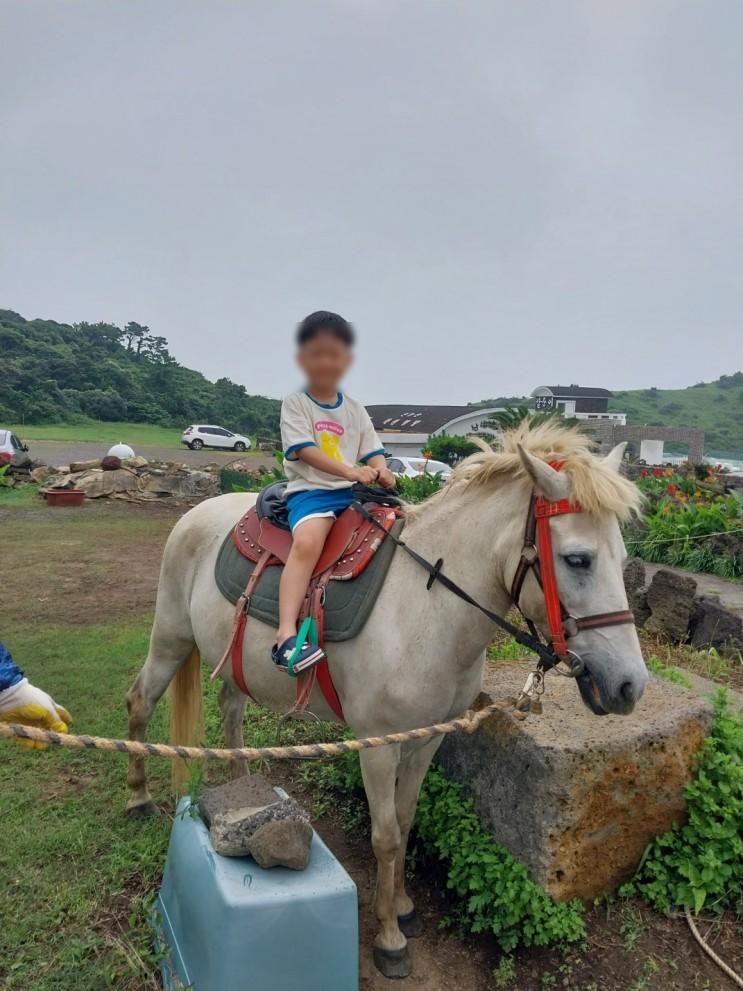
(690, 522)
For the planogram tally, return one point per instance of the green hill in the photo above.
(715, 407)
(58, 373)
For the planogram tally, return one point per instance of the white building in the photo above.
(577, 401)
(404, 430)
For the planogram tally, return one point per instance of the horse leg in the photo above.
(378, 769)
(232, 704)
(409, 779)
(166, 655)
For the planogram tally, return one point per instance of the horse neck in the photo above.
(478, 532)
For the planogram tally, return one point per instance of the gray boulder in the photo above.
(635, 581)
(247, 817)
(671, 601)
(574, 796)
(712, 625)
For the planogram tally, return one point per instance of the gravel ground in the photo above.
(62, 452)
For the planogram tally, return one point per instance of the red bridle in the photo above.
(538, 556)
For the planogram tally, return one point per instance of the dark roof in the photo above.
(416, 419)
(577, 391)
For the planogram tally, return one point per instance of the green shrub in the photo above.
(700, 862)
(497, 895)
(667, 671)
(419, 488)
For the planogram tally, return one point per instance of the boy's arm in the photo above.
(316, 458)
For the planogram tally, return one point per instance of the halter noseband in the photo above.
(538, 556)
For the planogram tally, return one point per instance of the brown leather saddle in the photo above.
(349, 548)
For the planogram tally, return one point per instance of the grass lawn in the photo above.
(104, 433)
(77, 875)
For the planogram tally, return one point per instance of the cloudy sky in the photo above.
(498, 194)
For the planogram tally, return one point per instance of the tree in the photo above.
(449, 449)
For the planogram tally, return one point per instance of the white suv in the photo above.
(211, 436)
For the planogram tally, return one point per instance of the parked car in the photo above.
(412, 467)
(10, 447)
(212, 436)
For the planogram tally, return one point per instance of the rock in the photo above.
(247, 816)
(671, 602)
(110, 463)
(98, 483)
(85, 465)
(637, 593)
(136, 462)
(577, 797)
(713, 625)
(634, 575)
(41, 474)
(182, 484)
(282, 843)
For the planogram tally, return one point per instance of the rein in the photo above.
(538, 556)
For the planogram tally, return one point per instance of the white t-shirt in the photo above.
(342, 430)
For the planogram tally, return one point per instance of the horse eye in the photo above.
(581, 561)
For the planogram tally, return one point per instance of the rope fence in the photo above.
(467, 723)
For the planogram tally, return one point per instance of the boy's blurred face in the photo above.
(324, 360)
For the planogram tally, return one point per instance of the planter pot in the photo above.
(65, 497)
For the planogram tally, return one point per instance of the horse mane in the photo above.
(597, 486)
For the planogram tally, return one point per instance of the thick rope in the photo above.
(735, 978)
(468, 722)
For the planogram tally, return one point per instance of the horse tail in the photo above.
(186, 715)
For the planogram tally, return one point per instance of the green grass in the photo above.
(19, 497)
(76, 875)
(103, 433)
(708, 406)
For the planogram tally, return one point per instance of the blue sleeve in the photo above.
(10, 673)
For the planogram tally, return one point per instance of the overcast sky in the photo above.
(498, 194)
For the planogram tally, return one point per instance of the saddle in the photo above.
(262, 536)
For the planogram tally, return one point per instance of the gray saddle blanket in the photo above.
(347, 603)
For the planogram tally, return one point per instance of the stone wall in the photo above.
(671, 606)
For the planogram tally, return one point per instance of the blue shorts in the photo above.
(316, 503)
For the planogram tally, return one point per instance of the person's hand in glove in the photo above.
(23, 703)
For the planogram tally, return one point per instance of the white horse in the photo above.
(419, 658)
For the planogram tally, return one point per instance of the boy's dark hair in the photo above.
(325, 321)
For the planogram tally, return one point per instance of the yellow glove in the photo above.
(22, 703)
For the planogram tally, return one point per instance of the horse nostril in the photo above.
(627, 691)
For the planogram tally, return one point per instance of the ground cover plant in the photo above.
(699, 862)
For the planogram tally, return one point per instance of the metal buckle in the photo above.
(574, 664)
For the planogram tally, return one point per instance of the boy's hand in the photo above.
(365, 475)
(23, 703)
(386, 478)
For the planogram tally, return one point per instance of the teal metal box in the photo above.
(230, 925)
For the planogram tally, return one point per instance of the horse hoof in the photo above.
(392, 964)
(143, 810)
(411, 925)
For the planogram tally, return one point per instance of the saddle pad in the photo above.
(347, 603)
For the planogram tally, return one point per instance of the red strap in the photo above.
(236, 653)
(325, 681)
(549, 584)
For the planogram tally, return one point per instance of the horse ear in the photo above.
(614, 458)
(553, 485)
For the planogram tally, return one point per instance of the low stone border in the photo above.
(670, 606)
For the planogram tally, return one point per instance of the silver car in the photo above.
(11, 447)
